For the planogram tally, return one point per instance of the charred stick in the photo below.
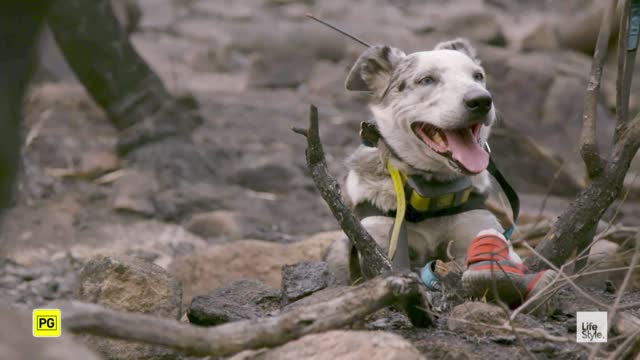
(242, 335)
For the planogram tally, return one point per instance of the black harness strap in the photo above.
(366, 209)
(512, 195)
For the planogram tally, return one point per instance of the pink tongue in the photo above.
(466, 150)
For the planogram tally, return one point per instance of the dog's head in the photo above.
(432, 107)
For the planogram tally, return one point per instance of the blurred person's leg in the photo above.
(98, 50)
(20, 21)
(154, 126)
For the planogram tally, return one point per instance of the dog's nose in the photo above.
(477, 102)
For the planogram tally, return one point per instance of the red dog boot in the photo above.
(495, 271)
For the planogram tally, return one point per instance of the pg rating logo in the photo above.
(46, 323)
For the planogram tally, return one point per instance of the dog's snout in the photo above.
(477, 102)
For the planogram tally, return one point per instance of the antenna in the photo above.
(310, 16)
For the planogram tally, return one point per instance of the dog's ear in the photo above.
(372, 71)
(462, 45)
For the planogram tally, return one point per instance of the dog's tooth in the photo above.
(438, 139)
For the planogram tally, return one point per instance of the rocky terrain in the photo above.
(247, 239)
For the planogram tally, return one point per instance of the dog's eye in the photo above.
(478, 76)
(427, 80)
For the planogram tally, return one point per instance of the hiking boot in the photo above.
(495, 272)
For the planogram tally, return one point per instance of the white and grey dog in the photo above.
(434, 113)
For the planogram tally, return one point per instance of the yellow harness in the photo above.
(398, 184)
(418, 202)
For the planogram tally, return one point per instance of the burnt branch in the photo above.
(374, 259)
(237, 336)
(588, 145)
(577, 222)
(575, 227)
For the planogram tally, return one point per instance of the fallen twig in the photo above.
(628, 348)
(621, 290)
(234, 337)
(534, 333)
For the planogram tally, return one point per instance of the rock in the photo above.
(245, 259)
(96, 163)
(446, 346)
(340, 344)
(128, 13)
(285, 2)
(287, 40)
(165, 241)
(210, 311)
(295, 11)
(133, 285)
(178, 202)
(509, 72)
(280, 70)
(318, 297)
(517, 7)
(266, 178)
(562, 112)
(338, 260)
(229, 9)
(242, 299)
(250, 292)
(134, 204)
(210, 52)
(327, 79)
(472, 317)
(541, 37)
(18, 343)
(527, 167)
(304, 279)
(37, 284)
(580, 31)
(157, 13)
(605, 255)
(215, 224)
(476, 24)
(601, 250)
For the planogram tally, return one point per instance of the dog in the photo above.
(434, 114)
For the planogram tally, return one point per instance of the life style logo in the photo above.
(46, 323)
(591, 326)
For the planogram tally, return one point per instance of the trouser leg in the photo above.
(98, 50)
(20, 22)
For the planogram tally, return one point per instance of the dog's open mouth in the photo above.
(459, 145)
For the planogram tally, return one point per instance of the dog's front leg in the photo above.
(380, 228)
(347, 265)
